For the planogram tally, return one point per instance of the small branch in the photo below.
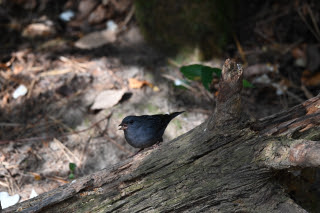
(299, 118)
(229, 107)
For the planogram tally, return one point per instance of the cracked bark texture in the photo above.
(224, 165)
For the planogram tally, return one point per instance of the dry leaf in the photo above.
(45, 144)
(107, 99)
(7, 64)
(17, 69)
(100, 14)
(156, 89)
(5, 99)
(137, 84)
(85, 7)
(310, 79)
(96, 39)
(39, 29)
(2, 158)
(36, 176)
(298, 52)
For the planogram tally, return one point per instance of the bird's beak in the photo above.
(123, 126)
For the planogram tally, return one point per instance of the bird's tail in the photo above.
(175, 114)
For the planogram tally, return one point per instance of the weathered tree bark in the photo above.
(226, 164)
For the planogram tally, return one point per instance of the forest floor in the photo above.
(74, 94)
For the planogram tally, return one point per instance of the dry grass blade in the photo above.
(11, 181)
(127, 19)
(51, 137)
(59, 179)
(70, 156)
(307, 93)
(314, 22)
(2, 183)
(182, 83)
(117, 144)
(240, 50)
(307, 24)
(56, 72)
(10, 124)
(78, 66)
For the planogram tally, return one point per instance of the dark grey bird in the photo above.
(145, 130)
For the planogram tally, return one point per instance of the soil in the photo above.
(53, 125)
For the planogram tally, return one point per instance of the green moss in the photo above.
(177, 25)
(152, 108)
(177, 123)
(119, 115)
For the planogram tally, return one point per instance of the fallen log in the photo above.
(226, 164)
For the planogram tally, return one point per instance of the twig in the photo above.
(117, 144)
(119, 80)
(307, 93)
(113, 141)
(10, 124)
(51, 137)
(8, 63)
(56, 72)
(209, 96)
(62, 124)
(265, 37)
(300, 100)
(12, 179)
(82, 155)
(173, 63)
(240, 50)
(4, 184)
(314, 22)
(67, 151)
(307, 24)
(82, 67)
(176, 79)
(56, 178)
(128, 18)
(31, 87)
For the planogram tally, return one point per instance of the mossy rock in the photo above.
(178, 25)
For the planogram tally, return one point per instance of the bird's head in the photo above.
(127, 122)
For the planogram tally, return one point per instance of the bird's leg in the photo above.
(137, 152)
(156, 145)
(140, 150)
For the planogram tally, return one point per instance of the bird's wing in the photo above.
(157, 122)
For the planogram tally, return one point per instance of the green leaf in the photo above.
(247, 84)
(200, 72)
(72, 166)
(71, 176)
(207, 75)
(206, 78)
(217, 71)
(192, 72)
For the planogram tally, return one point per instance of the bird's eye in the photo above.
(131, 122)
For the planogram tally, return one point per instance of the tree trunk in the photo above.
(227, 164)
